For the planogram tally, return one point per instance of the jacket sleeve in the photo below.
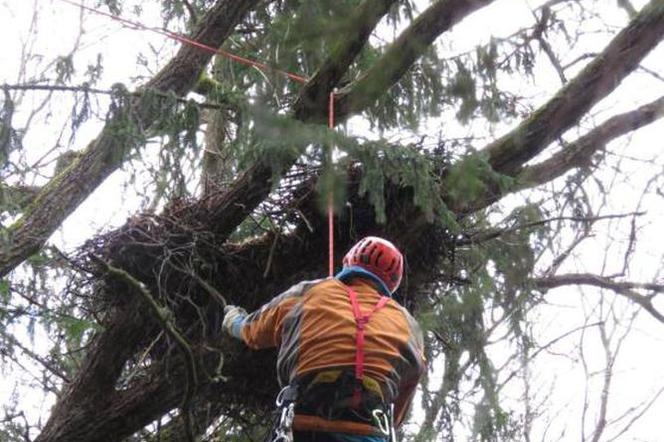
(411, 379)
(262, 328)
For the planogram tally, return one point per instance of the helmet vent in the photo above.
(379, 257)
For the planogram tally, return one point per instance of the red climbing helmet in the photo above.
(378, 256)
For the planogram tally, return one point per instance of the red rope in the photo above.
(330, 197)
(246, 61)
(191, 42)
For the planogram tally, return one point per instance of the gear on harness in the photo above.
(282, 429)
(385, 422)
(328, 395)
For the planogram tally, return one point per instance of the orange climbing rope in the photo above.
(246, 61)
(330, 194)
(188, 41)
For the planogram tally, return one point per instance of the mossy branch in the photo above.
(165, 319)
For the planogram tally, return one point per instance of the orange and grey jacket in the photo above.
(313, 326)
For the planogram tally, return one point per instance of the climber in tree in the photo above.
(350, 357)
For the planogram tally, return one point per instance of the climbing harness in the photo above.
(361, 321)
(382, 417)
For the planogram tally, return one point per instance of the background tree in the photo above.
(497, 166)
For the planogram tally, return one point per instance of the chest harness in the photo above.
(384, 419)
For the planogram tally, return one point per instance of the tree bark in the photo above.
(579, 153)
(249, 274)
(63, 194)
(601, 77)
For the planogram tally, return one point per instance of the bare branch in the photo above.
(88, 90)
(580, 152)
(628, 7)
(624, 288)
(48, 365)
(601, 77)
(193, 16)
(538, 34)
(644, 408)
(480, 237)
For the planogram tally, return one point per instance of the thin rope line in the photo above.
(189, 41)
(237, 58)
(330, 196)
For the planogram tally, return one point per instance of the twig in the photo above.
(164, 317)
(493, 234)
(48, 365)
(624, 288)
(89, 90)
(211, 290)
(193, 16)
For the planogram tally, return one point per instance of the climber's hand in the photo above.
(233, 319)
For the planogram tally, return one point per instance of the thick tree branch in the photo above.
(311, 103)
(580, 152)
(576, 154)
(255, 183)
(406, 49)
(623, 288)
(603, 75)
(60, 197)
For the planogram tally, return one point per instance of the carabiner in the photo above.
(382, 420)
(280, 396)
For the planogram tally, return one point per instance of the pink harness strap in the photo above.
(361, 321)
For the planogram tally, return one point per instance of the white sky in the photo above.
(640, 367)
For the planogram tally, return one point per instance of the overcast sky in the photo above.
(640, 368)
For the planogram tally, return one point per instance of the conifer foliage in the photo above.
(490, 163)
